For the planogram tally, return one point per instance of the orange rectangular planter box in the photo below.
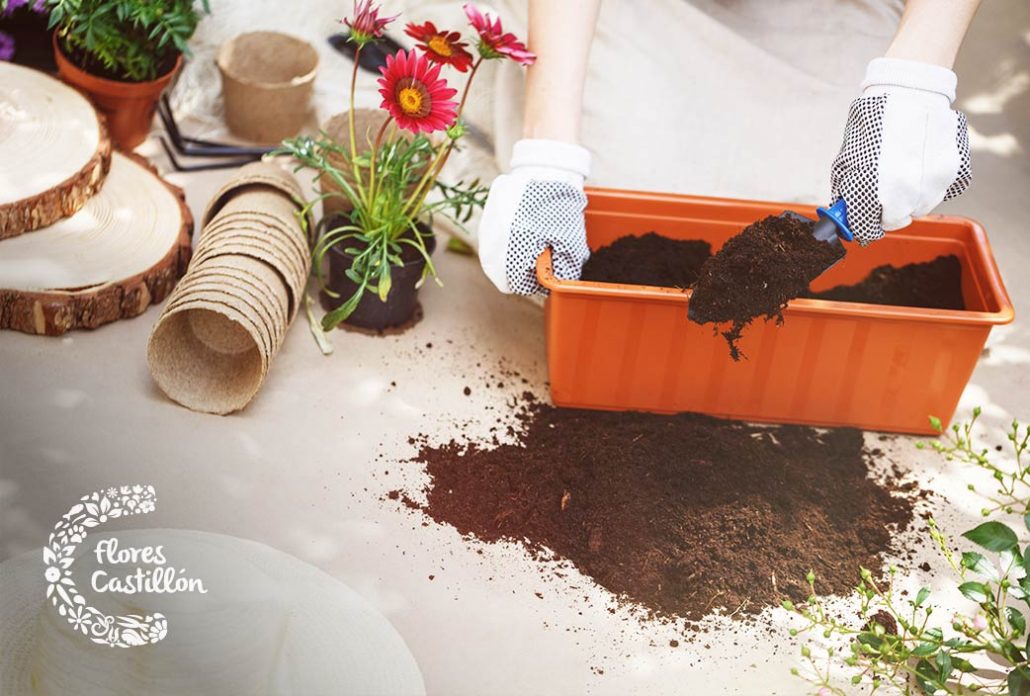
(631, 347)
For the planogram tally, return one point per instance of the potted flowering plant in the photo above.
(384, 179)
(120, 53)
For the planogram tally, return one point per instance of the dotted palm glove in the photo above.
(538, 205)
(905, 149)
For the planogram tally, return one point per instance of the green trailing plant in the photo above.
(130, 40)
(903, 644)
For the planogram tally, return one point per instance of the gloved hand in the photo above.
(905, 149)
(539, 204)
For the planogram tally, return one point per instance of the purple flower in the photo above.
(6, 46)
(13, 5)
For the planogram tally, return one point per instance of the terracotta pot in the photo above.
(267, 81)
(372, 313)
(128, 106)
(876, 367)
(367, 123)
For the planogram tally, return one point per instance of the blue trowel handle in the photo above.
(833, 222)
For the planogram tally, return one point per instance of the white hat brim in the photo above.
(335, 641)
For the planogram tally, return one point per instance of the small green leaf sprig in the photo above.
(894, 647)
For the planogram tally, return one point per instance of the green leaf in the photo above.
(1026, 557)
(924, 650)
(993, 536)
(1011, 652)
(976, 591)
(936, 424)
(926, 677)
(385, 283)
(962, 665)
(1019, 682)
(1016, 620)
(943, 666)
(924, 593)
(971, 560)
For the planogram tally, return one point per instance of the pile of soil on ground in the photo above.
(649, 259)
(934, 284)
(681, 514)
(757, 272)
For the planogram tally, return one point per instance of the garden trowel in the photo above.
(831, 227)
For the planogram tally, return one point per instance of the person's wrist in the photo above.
(569, 160)
(887, 74)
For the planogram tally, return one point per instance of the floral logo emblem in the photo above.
(91, 511)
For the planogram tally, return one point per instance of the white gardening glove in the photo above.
(905, 149)
(538, 205)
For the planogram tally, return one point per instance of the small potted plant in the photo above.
(122, 54)
(378, 238)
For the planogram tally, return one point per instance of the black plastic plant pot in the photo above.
(372, 313)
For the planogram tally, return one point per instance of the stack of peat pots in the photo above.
(216, 338)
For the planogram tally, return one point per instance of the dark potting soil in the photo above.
(681, 514)
(649, 259)
(757, 272)
(934, 284)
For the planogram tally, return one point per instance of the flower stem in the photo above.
(350, 124)
(372, 168)
(468, 84)
(433, 171)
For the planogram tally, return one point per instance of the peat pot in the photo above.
(267, 82)
(372, 313)
(628, 347)
(128, 106)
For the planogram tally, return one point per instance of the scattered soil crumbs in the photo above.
(757, 272)
(650, 259)
(935, 284)
(682, 514)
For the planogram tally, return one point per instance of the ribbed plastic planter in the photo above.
(627, 347)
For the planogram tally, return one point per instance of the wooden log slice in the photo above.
(54, 150)
(126, 249)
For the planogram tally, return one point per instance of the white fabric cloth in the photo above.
(742, 98)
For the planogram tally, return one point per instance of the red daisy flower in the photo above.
(415, 95)
(366, 25)
(493, 41)
(441, 46)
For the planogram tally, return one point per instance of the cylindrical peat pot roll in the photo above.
(227, 319)
(267, 81)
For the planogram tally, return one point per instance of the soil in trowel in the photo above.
(757, 272)
(935, 284)
(681, 514)
(649, 259)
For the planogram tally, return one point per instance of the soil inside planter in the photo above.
(757, 272)
(934, 284)
(649, 259)
(682, 514)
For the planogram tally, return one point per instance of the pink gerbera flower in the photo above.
(493, 42)
(414, 94)
(365, 24)
(441, 46)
